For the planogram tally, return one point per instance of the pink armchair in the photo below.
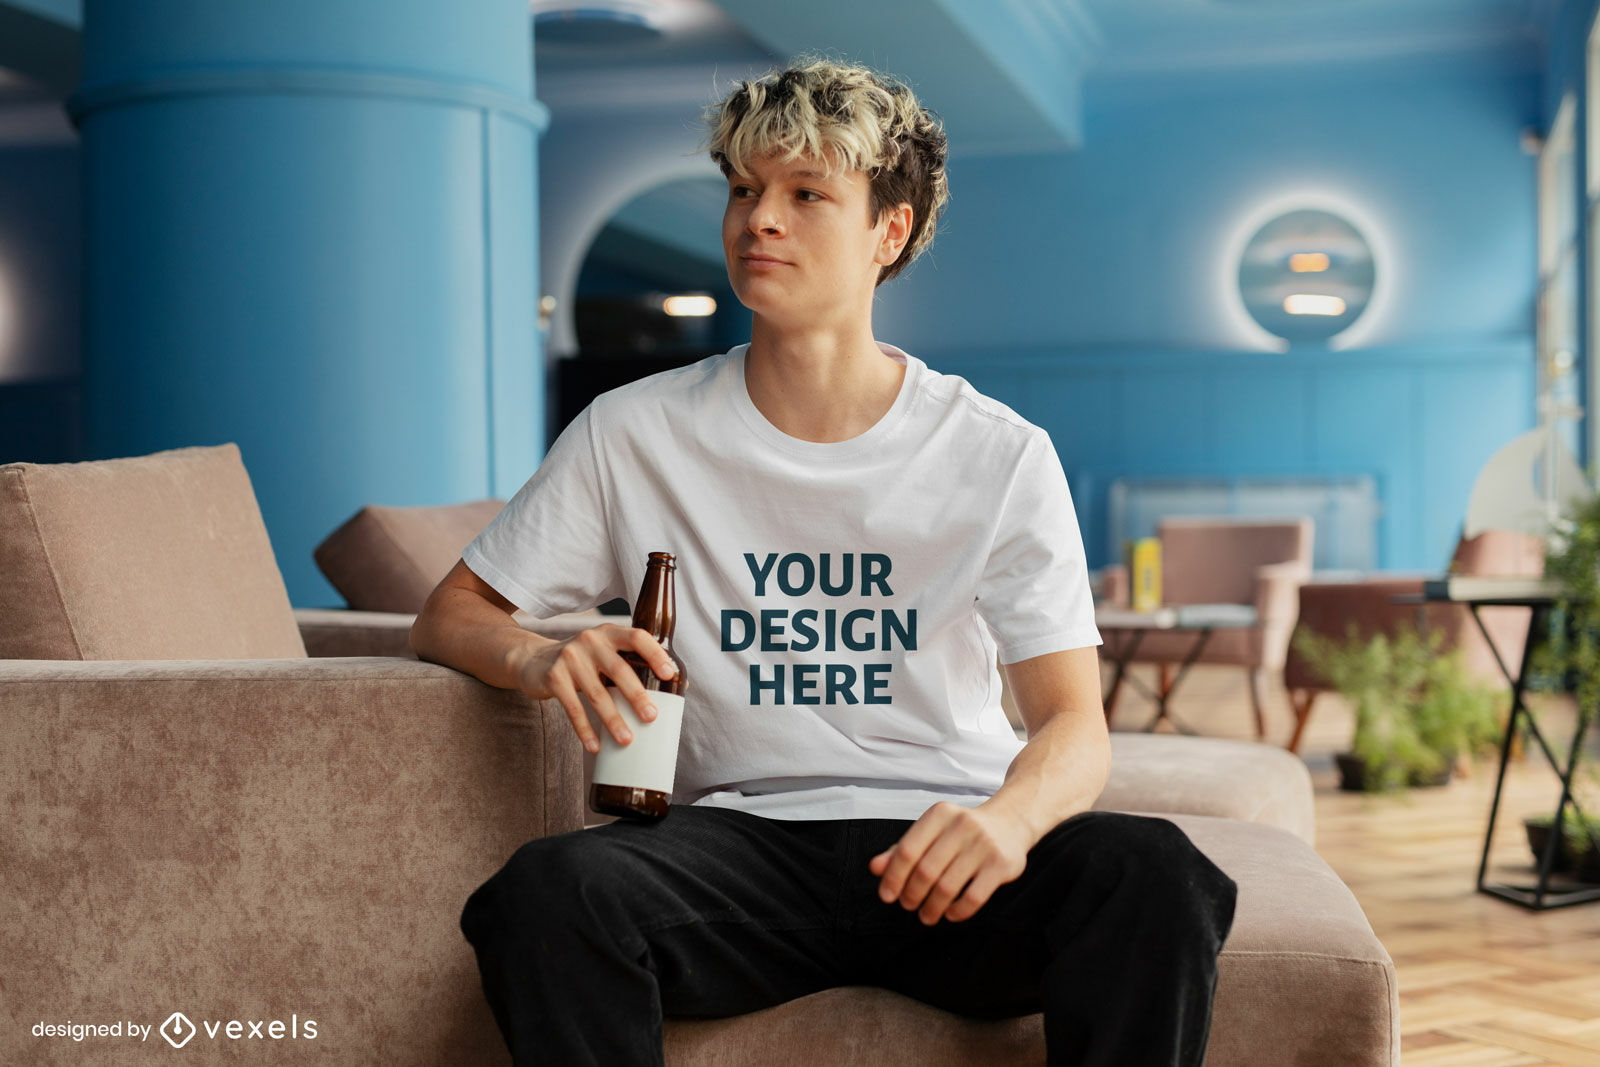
(1226, 561)
(1328, 607)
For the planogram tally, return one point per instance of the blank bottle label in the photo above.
(650, 760)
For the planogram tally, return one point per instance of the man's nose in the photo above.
(766, 218)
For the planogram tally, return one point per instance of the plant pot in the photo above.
(1538, 830)
(1438, 778)
(1353, 774)
(1589, 866)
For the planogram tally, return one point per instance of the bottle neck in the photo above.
(656, 610)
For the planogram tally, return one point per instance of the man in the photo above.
(859, 538)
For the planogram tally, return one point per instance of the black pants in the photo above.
(585, 940)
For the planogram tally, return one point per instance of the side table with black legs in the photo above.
(1549, 891)
(1124, 630)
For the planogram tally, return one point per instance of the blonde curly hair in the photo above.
(849, 117)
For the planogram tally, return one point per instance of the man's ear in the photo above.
(895, 235)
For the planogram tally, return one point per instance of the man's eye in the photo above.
(742, 191)
(807, 194)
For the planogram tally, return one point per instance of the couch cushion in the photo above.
(1163, 773)
(157, 557)
(390, 559)
(1301, 980)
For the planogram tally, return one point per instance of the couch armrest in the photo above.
(233, 838)
(338, 632)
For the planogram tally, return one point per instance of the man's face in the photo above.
(801, 247)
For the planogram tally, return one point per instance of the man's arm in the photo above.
(467, 624)
(953, 858)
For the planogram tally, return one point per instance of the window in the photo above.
(1592, 212)
(1557, 327)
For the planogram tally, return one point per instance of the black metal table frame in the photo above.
(1540, 896)
(1120, 673)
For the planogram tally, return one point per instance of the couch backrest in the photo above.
(1214, 561)
(158, 557)
(390, 559)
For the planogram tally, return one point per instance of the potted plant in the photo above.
(1579, 850)
(1417, 710)
(1569, 658)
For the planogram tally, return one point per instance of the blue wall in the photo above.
(1091, 291)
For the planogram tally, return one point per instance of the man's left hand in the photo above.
(950, 849)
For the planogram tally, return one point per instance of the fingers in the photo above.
(588, 663)
(907, 856)
(576, 717)
(563, 691)
(613, 667)
(648, 647)
(979, 890)
(948, 864)
(952, 880)
(940, 874)
(573, 674)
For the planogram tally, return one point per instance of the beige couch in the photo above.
(201, 818)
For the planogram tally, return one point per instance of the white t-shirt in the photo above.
(840, 605)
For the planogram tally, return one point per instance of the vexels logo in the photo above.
(178, 1029)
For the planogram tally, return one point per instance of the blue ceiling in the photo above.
(1017, 76)
(1006, 76)
(1014, 75)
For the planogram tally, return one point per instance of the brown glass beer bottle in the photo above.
(635, 780)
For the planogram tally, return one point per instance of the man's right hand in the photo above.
(466, 624)
(586, 664)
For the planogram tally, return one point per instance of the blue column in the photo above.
(311, 229)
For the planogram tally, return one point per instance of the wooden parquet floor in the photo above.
(1483, 982)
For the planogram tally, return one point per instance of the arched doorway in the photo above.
(652, 294)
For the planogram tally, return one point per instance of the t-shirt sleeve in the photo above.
(549, 551)
(1034, 594)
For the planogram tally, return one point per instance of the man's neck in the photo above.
(820, 386)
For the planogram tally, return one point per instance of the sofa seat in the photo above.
(1301, 980)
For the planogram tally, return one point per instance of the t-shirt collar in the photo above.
(873, 436)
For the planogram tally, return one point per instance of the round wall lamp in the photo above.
(1306, 276)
